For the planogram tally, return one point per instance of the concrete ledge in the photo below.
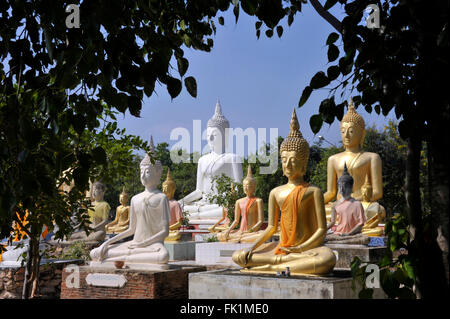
(182, 250)
(232, 284)
(217, 252)
(345, 254)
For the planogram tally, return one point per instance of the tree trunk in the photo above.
(438, 160)
(414, 207)
(28, 265)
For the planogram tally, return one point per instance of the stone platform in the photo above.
(181, 250)
(111, 283)
(345, 254)
(217, 252)
(12, 276)
(232, 284)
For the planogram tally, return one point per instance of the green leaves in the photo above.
(315, 122)
(173, 87)
(332, 37)
(279, 31)
(191, 86)
(183, 65)
(319, 80)
(269, 33)
(333, 72)
(134, 106)
(99, 155)
(333, 52)
(221, 20)
(305, 95)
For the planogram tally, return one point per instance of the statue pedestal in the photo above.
(181, 250)
(111, 283)
(346, 252)
(232, 284)
(217, 252)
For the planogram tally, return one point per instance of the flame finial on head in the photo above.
(249, 178)
(345, 177)
(352, 116)
(219, 120)
(295, 141)
(146, 160)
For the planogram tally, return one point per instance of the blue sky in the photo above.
(258, 81)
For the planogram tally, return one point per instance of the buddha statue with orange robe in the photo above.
(303, 223)
(249, 213)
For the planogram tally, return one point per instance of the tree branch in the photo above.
(335, 23)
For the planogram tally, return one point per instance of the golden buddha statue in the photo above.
(359, 163)
(122, 220)
(374, 212)
(176, 214)
(249, 212)
(303, 224)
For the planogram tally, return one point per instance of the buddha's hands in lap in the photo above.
(243, 257)
(135, 245)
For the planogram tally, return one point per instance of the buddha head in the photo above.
(294, 151)
(352, 128)
(249, 183)
(169, 186)
(216, 131)
(367, 190)
(124, 197)
(345, 183)
(150, 172)
(98, 191)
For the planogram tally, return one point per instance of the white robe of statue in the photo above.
(215, 163)
(149, 223)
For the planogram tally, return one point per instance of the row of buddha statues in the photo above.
(300, 214)
(297, 211)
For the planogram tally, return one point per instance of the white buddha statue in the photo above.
(196, 204)
(149, 223)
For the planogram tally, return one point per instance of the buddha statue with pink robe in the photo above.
(347, 215)
(248, 214)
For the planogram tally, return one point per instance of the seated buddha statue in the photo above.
(98, 217)
(248, 214)
(176, 215)
(215, 163)
(223, 223)
(375, 213)
(359, 163)
(122, 220)
(303, 225)
(349, 214)
(149, 224)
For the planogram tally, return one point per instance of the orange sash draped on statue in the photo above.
(244, 221)
(289, 215)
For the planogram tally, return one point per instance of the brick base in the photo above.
(141, 284)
